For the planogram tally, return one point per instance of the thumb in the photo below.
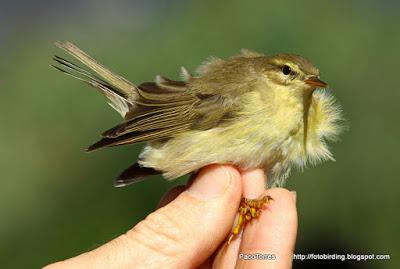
(188, 230)
(181, 234)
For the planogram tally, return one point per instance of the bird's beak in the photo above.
(314, 81)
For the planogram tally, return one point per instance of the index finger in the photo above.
(253, 184)
(273, 233)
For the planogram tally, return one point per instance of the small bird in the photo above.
(251, 111)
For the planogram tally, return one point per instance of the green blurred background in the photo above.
(57, 201)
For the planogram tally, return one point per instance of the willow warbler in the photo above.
(251, 110)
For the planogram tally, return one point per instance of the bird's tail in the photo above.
(120, 92)
(133, 174)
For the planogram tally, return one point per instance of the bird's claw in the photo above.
(248, 210)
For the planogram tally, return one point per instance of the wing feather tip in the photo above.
(99, 144)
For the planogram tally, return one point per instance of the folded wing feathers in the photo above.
(136, 137)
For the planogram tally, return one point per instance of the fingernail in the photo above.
(211, 182)
(294, 193)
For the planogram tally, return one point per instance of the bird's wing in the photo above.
(163, 109)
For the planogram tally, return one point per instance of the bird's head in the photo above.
(294, 72)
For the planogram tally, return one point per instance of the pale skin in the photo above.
(190, 228)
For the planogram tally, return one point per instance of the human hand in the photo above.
(191, 228)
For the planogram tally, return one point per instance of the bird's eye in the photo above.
(286, 70)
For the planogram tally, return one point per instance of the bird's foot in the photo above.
(248, 210)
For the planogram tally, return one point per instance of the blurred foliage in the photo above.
(57, 201)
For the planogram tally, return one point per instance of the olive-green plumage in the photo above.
(251, 110)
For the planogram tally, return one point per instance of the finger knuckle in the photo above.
(160, 233)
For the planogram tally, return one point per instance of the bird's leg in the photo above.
(248, 210)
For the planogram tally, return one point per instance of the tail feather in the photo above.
(119, 91)
(74, 67)
(133, 174)
(126, 87)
